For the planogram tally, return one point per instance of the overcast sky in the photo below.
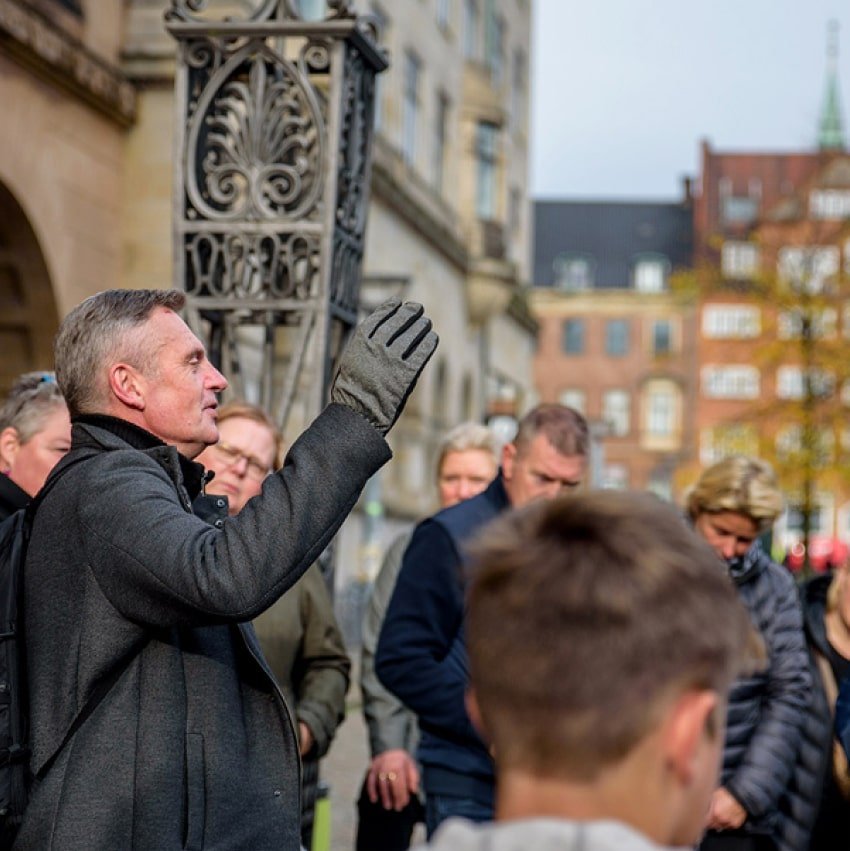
(624, 90)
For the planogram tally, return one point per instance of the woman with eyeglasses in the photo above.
(299, 634)
(35, 432)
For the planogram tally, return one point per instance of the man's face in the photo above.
(539, 471)
(464, 474)
(729, 533)
(33, 460)
(179, 385)
(241, 460)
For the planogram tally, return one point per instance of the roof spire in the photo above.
(831, 131)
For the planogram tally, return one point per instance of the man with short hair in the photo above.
(421, 655)
(603, 637)
(155, 720)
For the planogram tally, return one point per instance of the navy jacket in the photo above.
(421, 655)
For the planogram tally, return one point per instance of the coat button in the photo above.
(219, 524)
(277, 793)
(220, 503)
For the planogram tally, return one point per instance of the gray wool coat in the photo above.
(193, 745)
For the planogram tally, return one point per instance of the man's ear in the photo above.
(10, 443)
(692, 723)
(127, 386)
(508, 460)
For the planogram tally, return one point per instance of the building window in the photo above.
(487, 138)
(573, 336)
(829, 204)
(790, 383)
(739, 260)
(789, 324)
(650, 275)
(662, 337)
(738, 209)
(443, 8)
(615, 477)
(496, 48)
(617, 337)
(731, 321)
(440, 137)
(730, 382)
(470, 29)
(718, 442)
(808, 269)
(575, 399)
(412, 71)
(661, 412)
(616, 412)
(573, 272)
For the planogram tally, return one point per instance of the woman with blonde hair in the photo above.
(730, 506)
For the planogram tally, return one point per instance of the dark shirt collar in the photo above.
(194, 475)
(12, 496)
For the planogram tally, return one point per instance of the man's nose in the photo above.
(215, 380)
(727, 548)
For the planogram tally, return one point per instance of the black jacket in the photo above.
(11, 497)
(764, 726)
(818, 801)
(421, 655)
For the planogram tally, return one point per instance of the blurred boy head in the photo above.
(603, 637)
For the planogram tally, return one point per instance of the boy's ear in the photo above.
(691, 725)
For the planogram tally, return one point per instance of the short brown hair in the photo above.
(241, 408)
(565, 428)
(94, 332)
(587, 613)
(739, 484)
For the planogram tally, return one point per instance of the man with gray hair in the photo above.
(156, 722)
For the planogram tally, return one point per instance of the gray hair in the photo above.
(33, 397)
(468, 436)
(94, 334)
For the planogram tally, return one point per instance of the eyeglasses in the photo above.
(255, 469)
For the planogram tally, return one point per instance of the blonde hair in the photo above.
(247, 411)
(739, 484)
(467, 436)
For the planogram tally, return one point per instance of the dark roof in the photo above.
(613, 233)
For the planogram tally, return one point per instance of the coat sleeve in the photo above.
(421, 656)
(391, 725)
(768, 761)
(321, 675)
(161, 566)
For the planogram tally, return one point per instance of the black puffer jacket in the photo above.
(819, 802)
(767, 710)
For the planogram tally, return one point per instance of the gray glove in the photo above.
(380, 365)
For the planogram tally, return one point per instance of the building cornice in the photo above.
(58, 58)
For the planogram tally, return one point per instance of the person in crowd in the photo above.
(35, 432)
(467, 461)
(602, 638)
(155, 720)
(299, 634)
(421, 654)
(731, 504)
(826, 614)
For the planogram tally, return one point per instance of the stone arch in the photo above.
(28, 313)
